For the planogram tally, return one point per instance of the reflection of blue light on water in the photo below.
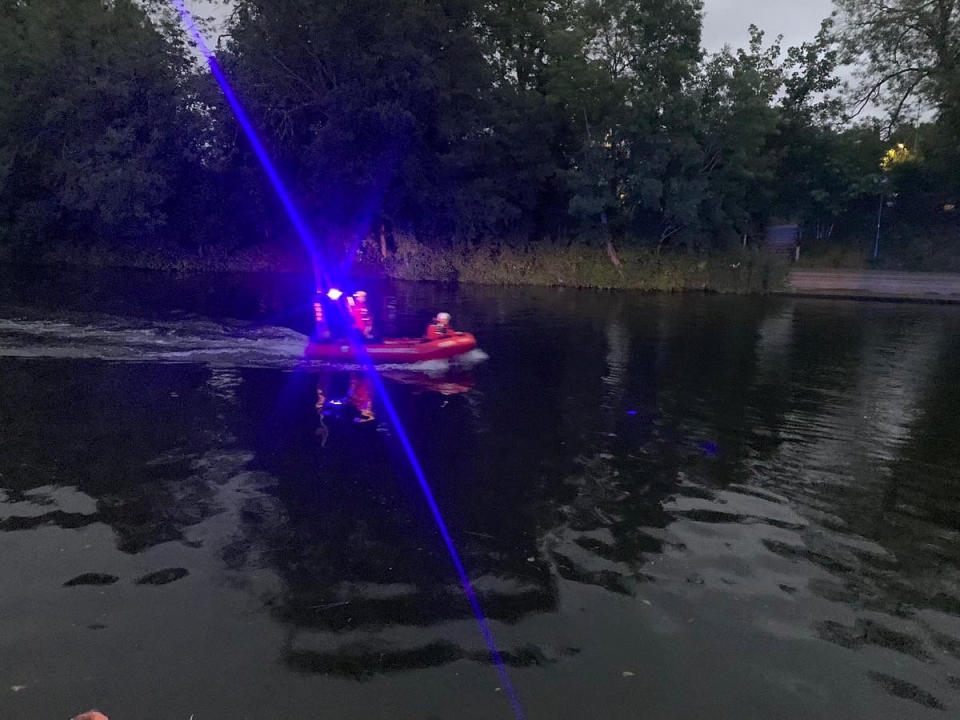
(468, 590)
(710, 449)
(306, 238)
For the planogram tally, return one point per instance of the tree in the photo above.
(631, 171)
(93, 133)
(909, 52)
(737, 105)
(370, 107)
(816, 178)
(542, 90)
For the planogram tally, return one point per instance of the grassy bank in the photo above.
(576, 265)
(925, 252)
(587, 267)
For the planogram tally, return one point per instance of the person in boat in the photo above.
(360, 316)
(321, 327)
(439, 327)
(331, 321)
(336, 317)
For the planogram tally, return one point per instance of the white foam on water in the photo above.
(218, 344)
(133, 340)
(474, 357)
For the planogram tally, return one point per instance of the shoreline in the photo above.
(879, 285)
(572, 266)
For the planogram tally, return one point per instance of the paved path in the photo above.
(938, 287)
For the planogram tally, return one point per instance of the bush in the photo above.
(581, 265)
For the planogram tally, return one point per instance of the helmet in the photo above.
(443, 317)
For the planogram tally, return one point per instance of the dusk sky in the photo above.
(725, 21)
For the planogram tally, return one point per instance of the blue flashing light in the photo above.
(334, 294)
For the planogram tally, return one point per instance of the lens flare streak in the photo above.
(296, 219)
(306, 238)
(497, 659)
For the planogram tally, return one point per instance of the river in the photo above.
(669, 506)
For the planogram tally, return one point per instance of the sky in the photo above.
(725, 21)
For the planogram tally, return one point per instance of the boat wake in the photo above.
(208, 342)
(130, 340)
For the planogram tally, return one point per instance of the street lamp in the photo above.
(876, 242)
(894, 156)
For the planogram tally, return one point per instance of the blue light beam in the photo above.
(306, 238)
(496, 658)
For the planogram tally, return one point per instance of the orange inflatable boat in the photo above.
(394, 350)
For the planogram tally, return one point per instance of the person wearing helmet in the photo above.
(439, 327)
(360, 314)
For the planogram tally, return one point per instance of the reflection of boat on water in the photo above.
(450, 383)
(345, 396)
(348, 396)
(394, 350)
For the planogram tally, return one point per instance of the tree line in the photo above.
(476, 121)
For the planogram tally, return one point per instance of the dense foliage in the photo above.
(476, 122)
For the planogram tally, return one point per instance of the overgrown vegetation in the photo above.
(578, 265)
(587, 142)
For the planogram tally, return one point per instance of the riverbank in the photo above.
(875, 284)
(584, 266)
(574, 265)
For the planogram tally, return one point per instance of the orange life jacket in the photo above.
(360, 315)
(435, 331)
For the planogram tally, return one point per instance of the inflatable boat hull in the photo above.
(395, 350)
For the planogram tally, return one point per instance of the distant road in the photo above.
(933, 287)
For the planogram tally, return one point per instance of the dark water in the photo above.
(671, 507)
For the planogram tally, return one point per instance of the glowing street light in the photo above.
(897, 155)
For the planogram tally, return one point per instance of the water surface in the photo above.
(670, 506)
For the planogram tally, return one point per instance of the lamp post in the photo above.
(894, 156)
(876, 242)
